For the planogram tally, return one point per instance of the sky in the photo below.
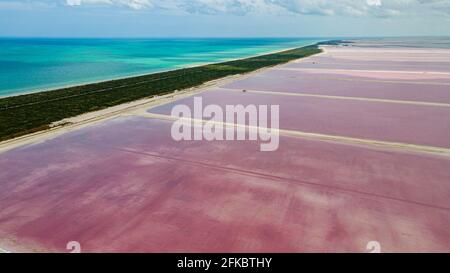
(224, 18)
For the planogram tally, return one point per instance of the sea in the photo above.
(36, 64)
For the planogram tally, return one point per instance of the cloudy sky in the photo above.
(223, 18)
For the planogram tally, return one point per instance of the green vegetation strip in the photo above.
(29, 113)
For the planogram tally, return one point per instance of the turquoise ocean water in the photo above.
(30, 65)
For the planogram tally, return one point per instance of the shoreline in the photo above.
(80, 84)
(29, 113)
(70, 124)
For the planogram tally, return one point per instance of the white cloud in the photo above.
(230, 6)
(24, 5)
(377, 8)
(374, 3)
(134, 4)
